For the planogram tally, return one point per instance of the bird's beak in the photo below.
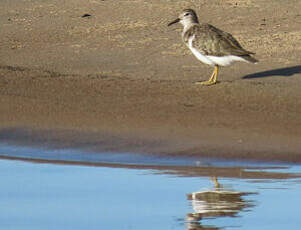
(173, 22)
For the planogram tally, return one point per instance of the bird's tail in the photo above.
(249, 58)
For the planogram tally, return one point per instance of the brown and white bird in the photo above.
(211, 45)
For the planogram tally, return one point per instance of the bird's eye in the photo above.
(186, 14)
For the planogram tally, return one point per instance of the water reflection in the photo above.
(60, 187)
(217, 202)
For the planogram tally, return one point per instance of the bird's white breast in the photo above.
(197, 53)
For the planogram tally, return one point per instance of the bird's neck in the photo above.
(188, 25)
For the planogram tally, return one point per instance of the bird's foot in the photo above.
(206, 82)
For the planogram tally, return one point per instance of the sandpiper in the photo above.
(211, 45)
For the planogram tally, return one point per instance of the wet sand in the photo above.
(121, 80)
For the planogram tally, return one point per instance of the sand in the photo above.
(120, 80)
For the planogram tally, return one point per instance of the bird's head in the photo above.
(187, 16)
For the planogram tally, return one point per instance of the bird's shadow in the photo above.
(286, 72)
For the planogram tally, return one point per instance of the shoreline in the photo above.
(211, 168)
(159, 146)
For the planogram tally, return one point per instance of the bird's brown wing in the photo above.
(211, 41)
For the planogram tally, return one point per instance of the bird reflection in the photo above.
(217, 202)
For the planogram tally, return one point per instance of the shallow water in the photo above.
(47, 195)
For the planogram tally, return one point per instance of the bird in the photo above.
(211, 45)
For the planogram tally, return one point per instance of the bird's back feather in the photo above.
(212, 41)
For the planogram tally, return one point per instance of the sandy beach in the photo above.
(120, 80)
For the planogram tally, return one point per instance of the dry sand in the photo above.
(121, 80)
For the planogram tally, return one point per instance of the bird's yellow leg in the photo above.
(212, 79)
(212, 75)
(216, 73)
(209, 82)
